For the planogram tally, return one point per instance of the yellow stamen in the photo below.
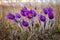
(30, 14)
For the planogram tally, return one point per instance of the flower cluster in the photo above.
(49, 11)
(30, 14)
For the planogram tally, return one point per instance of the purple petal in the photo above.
(45, 10)
(10, 16)
(33, 12)
(42, 18)
(50, 15)
(30, 14)
(17, 15)
(50, 9)
(24, 23)
(23, 11)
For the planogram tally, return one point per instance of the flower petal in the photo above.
(17, 15)
(50, 15)
(24, 10)
(42, 18)
(24, 23)
(10, 16)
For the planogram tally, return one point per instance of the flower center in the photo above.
(30, 14)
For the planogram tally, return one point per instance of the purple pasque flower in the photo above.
(33, 12)
(10, 16)
(50, 15)
(42, 18)
(17, 15)
(50, 9)
(47, 10)
(24, 10)
(24, 23)
(30, 14)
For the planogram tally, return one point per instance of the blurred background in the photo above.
(15, 6)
